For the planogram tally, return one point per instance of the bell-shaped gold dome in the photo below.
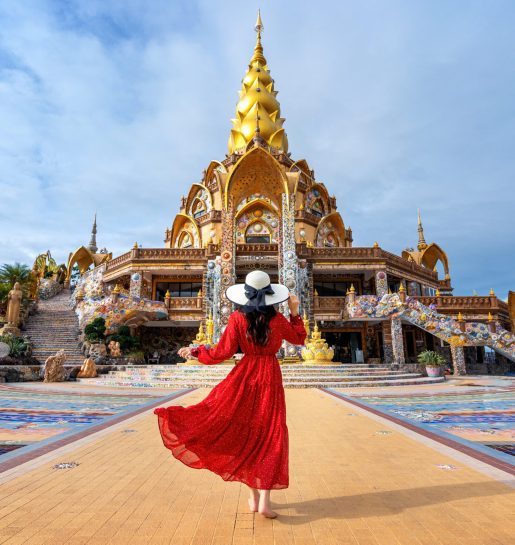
(258, 111)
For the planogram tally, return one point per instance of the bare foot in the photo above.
(268, 514)
(264, 507)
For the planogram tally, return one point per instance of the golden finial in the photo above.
(259, 23)
(492, 292)
(199, 294)
(301, 206)
(167, 294)
(116, 289)
(437, 293)
(376, 244)
(135, 245)
(402, 288)
(352, 288)
(316, 292)
(460, 317)
(421, 241)
(347, 292)
(490, 317)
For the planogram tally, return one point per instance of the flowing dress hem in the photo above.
(201, 465)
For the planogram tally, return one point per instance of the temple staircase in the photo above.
(294, 376)
(55, 327)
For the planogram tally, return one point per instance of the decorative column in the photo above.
(387, 341)
(397, 340)
(213, 295)
(227, 264)
(136, 284)
(458, 360)
(381, 283)
(288, 272)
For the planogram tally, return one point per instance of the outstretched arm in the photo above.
(226, 347)
(293, 331)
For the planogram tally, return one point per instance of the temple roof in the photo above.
(258, 113)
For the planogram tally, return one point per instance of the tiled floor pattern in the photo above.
(351, 483)
(29, 415)
(477, 411)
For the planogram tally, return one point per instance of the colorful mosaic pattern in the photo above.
(314, 203)
(28, 416)
(482, 415)
(260, 222)
(327, 235)
(427, 318)
(200, 204)
(95, 304)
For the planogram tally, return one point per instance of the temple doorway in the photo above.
(348, 345)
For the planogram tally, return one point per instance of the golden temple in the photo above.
(260, 208)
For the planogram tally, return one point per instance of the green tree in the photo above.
(10, 274)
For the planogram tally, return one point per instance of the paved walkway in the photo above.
(350, 484)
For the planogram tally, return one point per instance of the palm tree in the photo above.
(10, 274)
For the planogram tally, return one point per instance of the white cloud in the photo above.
(117, 107)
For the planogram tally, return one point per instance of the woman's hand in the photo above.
(185, 352)
(293, 304)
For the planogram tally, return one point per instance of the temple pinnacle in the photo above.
(259, 23)
(93, 241)
(258, 98)
(421, 241)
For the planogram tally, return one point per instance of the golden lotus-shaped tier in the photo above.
(317, 351)
(258, 113)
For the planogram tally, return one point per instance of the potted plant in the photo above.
(433, 362)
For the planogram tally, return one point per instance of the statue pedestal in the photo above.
(10, 329)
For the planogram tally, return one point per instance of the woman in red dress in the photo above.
(239, 430)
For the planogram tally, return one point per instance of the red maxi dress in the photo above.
(239, 430)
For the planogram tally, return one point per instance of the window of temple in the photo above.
(336, 289)
(177, 289)
(414, 289)
(394, 285)
(314, 203)
(258, 232)
(259, 225)
(185, 240)
(198, 208)
(200, 204)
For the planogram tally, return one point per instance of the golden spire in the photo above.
(421, 241)
(258, 106)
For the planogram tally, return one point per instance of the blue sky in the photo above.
(118, 106)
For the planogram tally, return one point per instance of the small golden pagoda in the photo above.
(317, 351)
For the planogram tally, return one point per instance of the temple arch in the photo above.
(330, 231)
(256, 172)
(316, 200)
(257, 211)
(199, 201)
(184, 225)
(434, 254)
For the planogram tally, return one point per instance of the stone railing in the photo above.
(457, 302)
(370, 255)
(184, 303)
(332, 306)
(140, 256)
(258, 248)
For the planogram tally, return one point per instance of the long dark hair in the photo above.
(258, 328)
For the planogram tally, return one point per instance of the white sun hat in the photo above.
(257, 292)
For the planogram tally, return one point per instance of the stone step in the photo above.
(298, 384)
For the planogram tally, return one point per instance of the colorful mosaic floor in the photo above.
(31, 416)
(482, 415)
